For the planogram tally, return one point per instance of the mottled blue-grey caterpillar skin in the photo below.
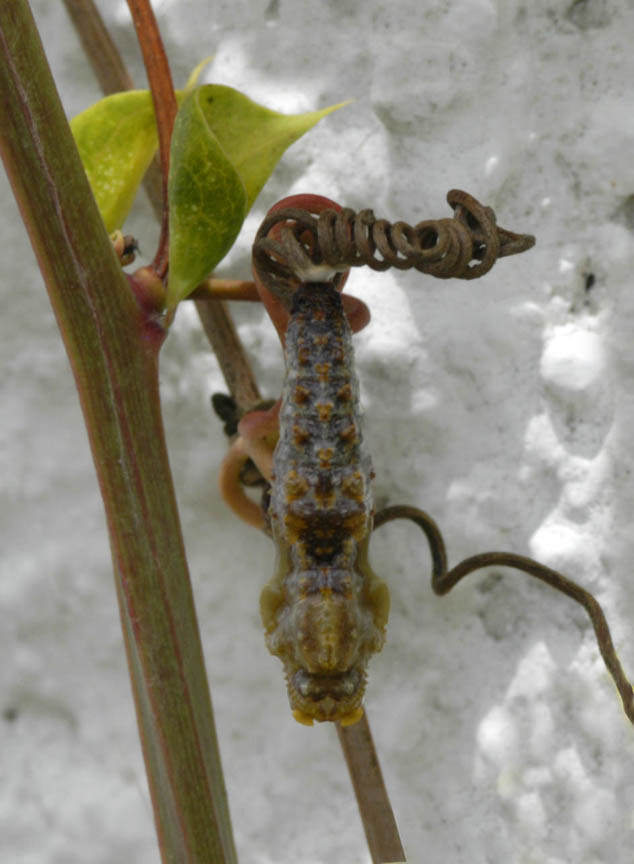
(324, 610)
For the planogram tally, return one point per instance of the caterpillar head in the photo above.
(325, 639)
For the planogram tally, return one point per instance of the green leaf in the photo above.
(116, 139)
(207, 201)
(224, 149)
(196, 72)
(253, 137)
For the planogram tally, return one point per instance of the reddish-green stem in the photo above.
(113, 345)
(165, 107)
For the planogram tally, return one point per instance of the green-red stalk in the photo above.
(112, 344)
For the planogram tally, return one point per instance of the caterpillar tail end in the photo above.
(347, 719)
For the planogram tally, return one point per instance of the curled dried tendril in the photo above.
(292, 242)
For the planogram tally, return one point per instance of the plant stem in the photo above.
(209, 299)
(113, 351)
(369, 788)
(165, 108)
(225, 341)
(97, 42)
(226, 289)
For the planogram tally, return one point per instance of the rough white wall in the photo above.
(501, 406)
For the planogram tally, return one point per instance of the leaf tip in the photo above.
(196, 72)
(339, 105)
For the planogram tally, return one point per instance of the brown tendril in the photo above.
(443, 581)
(291, 241)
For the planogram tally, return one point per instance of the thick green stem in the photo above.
(113, 350)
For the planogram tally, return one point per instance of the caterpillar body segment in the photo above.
(324, 610)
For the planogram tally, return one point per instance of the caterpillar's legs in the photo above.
(443, 581)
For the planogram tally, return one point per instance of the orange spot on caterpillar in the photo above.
(355, 525)
(300, 435)
(300, 395)
(296, 486)
(323, 370)
(324, 410)
(349, 434)
(352, 486)
(325, 454)
(295, 526)
(345, 393)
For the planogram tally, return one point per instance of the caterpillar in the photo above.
(324, 610)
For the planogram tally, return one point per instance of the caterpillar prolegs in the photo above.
(324, 610)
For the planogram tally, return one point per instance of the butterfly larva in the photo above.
(324, 610)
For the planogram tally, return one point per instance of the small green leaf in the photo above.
(116, 139)
(253, 137)
(207, 201)
(223, 145)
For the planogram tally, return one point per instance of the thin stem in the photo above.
(226, 344)
(223, 336)
(375, 809)
(97, 42)
(226, 289)
(165, 108)
(444, 580)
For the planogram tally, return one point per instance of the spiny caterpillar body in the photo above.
(324, 610)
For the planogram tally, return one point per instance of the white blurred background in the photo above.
(501, 406)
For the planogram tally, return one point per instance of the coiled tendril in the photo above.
(293, 245)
